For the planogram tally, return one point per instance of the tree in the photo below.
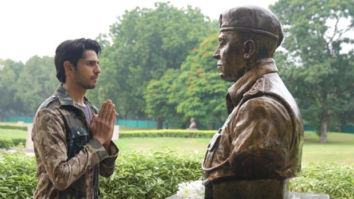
(316, 32)
(146, 43)
(158, 106)
(9, 73)
(36, 82)
(199, 91)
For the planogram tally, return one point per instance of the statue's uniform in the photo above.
(259, 145)
(68, 158)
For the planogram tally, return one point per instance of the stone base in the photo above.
(294, 195)
(291, 195)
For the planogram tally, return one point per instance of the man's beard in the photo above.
(86, 85)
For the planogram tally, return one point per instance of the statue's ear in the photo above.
(249, 49)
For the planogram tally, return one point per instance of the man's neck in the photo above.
(76, 93)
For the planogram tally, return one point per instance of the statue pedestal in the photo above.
(291, 195)
(294, 195)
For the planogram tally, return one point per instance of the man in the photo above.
(72, 143)
(259, 146)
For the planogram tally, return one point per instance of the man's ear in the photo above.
(249, 49)
(69, 68)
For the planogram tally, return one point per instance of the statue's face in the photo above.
(231, 65)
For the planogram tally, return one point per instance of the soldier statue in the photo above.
(259, 146)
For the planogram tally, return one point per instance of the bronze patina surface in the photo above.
(260, 144)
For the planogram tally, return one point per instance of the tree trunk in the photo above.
(166, 125)
(323, 127)
(340, 127)
(211, 126)
(341, 123)
(159, 123)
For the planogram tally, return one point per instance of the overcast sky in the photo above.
(36, 27)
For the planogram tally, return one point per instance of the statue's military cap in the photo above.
(252, 19)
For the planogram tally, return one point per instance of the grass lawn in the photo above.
(339, 149)
(12, 133)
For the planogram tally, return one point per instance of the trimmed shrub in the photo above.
(7, 140)
(17, 176)
(332, 179)
(156, 175)
(13, 126)
(153, 175)
(6, 143)
(168, 133)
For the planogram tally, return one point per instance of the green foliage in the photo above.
(12, 126)
(9, 74)
(154, 175)
(24, 86)
(36, 82)
(194, 90)
(12, 135)
(157, 103)
(332, 179)
(6, 143)
(168, 133)
(321, 76)
(146, 43)
(17, 176)
(199, 91)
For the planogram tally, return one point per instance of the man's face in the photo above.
(86, 73)
(231, 65)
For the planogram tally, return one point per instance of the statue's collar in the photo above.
(242, 85)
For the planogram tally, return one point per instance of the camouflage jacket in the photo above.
(263, 134)
(68, 158)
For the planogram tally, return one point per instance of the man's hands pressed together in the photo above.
(102, 125)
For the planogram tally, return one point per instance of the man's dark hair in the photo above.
(72, 50)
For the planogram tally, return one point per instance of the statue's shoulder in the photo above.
(268, 83)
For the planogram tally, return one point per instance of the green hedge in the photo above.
(7, 140)
(153, 175)
(6, 143)
(17, 176)
(13, 126)
(168, 133)
(156, 175)
(332, 179)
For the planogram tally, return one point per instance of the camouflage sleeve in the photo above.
(49, 140)
(108, 164)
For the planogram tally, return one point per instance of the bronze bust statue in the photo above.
(259, 146)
